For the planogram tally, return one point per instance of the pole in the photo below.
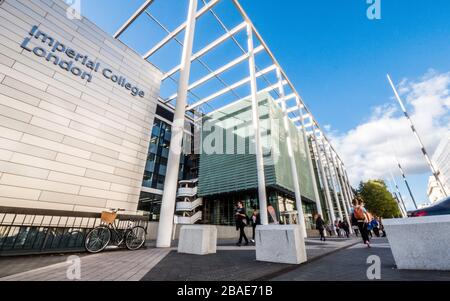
(407, 185)
(402, 211)
(399, 193)
(391, 190)
(341, 189)
(346, 186)
(295, 180)
(332, 179)
(328, 201)
(309, 159)
(350, 190)
(346, 193)
(170, 184)
(262, 197)
(434, 171)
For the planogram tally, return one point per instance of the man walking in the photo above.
(241, 222)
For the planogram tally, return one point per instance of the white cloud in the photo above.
(369, 149)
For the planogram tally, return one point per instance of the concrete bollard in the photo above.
(420, 243)
(280, 243)
(198, 239)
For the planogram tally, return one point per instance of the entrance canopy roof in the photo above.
(220, 60)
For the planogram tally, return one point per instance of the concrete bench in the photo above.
(197, 239)
(420, 243)
(280, 243)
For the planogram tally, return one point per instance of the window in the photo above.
(157, 159)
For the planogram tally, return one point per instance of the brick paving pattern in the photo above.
(336, 259)
(14, 265)
(232, 263)
(108, 266)
(350, 265)
(152, 263)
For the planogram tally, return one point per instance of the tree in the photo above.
(378, 200)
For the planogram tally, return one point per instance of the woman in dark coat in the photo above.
(320, 225)
(241, 222)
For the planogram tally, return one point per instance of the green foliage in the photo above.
(378, 200)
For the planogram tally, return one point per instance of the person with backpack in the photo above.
(320, 225)
(361, 217)
(354, 222)
(241, 222)
(375, 227)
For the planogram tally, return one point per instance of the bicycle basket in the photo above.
(108, 217)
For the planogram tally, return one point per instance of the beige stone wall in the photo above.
(66, 143)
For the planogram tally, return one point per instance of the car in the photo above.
(441, 207)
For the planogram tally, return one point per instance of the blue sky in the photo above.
(336, 57)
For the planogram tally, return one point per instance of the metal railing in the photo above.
(25, 231)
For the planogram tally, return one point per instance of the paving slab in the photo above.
(351, 265)
(233, 263)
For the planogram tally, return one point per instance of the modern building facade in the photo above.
(157, 159)
(83, 128)
(228, 163)
(76, 112)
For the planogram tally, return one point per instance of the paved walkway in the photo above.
(14, 265)
(335, 259)
(158, 264)
(108, 266)
(351, 265)
(234, 263)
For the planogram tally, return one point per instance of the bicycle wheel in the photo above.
(135, 238)
(97, 239)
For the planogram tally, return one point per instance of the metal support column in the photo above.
(407, 185)
(326, 187)
(294, 173)
(262, 197)
(343, 193)
(170, 185)
(331, 215)
(344, 185)
(309, 159)
(399, 193)
(341, 217)
(434, 170)
(350, 190)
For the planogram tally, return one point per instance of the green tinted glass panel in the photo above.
(227, 160)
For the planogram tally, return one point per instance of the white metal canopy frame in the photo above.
(282, 90)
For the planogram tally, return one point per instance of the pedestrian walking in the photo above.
(329, 230)
(320, 225)
(241, 222)
(256, 220)
(361, 216)
(375, 227)
(336, 227)
(346, 227)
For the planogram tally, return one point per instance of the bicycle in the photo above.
(100, 237)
